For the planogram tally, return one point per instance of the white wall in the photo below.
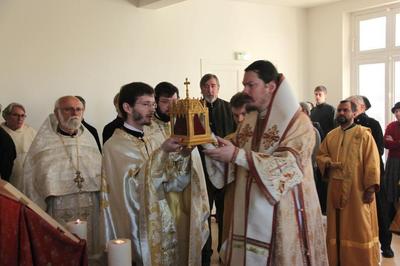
(329, 47)
(51, 48)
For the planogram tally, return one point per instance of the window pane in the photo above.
(373, 33)
(397, 29)
(396, 82)
(372, 85)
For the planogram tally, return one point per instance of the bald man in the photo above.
(62, 169)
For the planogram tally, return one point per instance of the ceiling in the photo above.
(155, 4)
(292, 3)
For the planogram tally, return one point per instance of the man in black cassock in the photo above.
(385, 236)
(7, 154)
(108, 129)
(221, 124)
(89, 127)
(323, 113)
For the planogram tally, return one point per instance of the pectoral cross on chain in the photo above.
(79, 180)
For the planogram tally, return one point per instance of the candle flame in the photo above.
(78, 221)
(119, 241)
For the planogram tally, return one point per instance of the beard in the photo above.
(71, 124)
(209, 98)
(341, 120)
(137, 117)
(162, 116)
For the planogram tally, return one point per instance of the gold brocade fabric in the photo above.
(355, 220)
(131, 207)
(48, 170)
(135, 205)
(48, 177)
(189, 207)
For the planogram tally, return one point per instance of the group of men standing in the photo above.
(148, 187)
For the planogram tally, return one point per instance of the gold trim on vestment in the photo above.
(353, 244)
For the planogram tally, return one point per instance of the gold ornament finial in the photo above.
(187, 83)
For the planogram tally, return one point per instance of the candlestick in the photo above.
(78, 228)
(119, 252)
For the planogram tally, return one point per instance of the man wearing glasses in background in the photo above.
(22, 135)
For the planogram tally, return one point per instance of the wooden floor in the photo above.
(385, 262)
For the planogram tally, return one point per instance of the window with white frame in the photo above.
(376, 59)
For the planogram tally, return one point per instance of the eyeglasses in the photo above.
(72, 109)
(149, 105)
(166, 101)
(18, 116)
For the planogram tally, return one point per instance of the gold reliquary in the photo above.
(190, 121)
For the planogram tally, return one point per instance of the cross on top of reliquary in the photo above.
(187, 83)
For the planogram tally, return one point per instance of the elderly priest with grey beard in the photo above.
(62, 169)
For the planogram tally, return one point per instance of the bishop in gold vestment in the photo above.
(350, 159)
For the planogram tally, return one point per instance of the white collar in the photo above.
(132, 128)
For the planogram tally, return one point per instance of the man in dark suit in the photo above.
(7, 154)
(89, 127)
(221, 124)
(118, 122)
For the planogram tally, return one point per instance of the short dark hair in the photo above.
(353, 105)
(265, 70)
(321, 88)
(240, 99)
(367, 103)
(130, 92)
(80, 98)
(206, 78)
(165, 89)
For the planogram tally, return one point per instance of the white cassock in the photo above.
(22, 139)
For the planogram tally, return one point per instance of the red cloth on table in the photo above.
(27, 239)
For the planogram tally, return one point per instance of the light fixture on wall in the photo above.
(242, 56)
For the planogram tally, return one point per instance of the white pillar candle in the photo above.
(78, 228)
(119, 252)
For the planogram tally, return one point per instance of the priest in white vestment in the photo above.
(276, 217)
(22, 135)
(63, 167)
(140, 169)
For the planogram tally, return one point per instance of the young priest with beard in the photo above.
(142, 168)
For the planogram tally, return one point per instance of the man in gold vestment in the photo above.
(349, 158)
(189, 207)
(140, 168)
(276, 217)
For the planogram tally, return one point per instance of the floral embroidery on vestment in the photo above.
(244, 135)
(270, 137)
